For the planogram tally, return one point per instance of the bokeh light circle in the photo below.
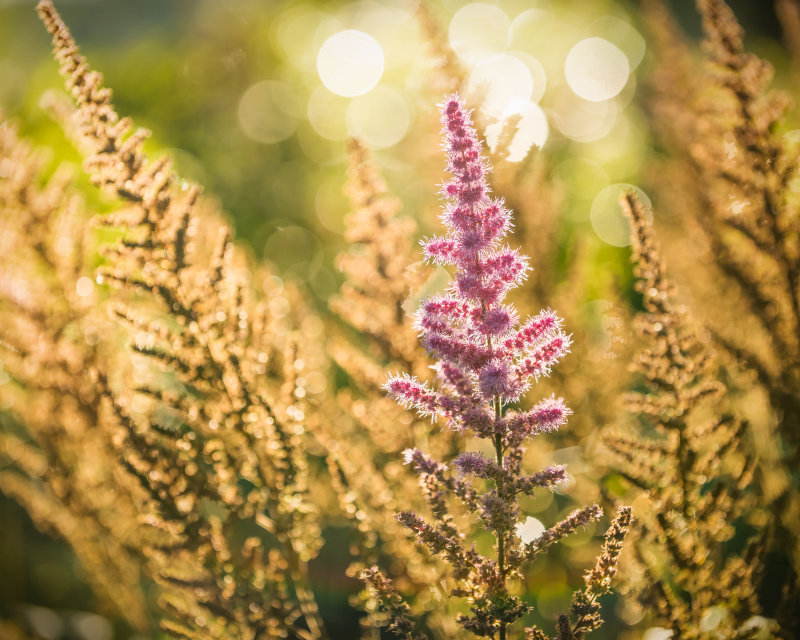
(531, 129)
(529, 530)
(84, 287)
(527, 24)
(266, 111)
(479, 30)
(608, 221)
(543, 33)
(596, 69)
(299, 31)
(379, 118)
(350, 63)
(499, 79)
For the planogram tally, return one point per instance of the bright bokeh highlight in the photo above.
(532, 129)
(596, 69)
(497, 80)
(295, 31)
(84, 287)
(350, 63)
(479, 30)
(657, 633)
(543, 34)
(538, 74)
(529, 530)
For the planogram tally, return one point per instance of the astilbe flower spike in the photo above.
(469, 329)
(486, 359)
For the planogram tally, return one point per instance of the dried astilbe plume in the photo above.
(449, 74)
(695, 469)
(752, 226)
(741, 171)
(487, 359)
(381, 269)
(59, 462)
(673, 82)
(739, 202)
(214, 426)
(379, 278)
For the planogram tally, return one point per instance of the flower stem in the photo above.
(501, 560)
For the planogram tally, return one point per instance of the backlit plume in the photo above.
(485, 355)
(486, 359)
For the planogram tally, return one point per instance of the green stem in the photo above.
(501, 551)
(498, 448)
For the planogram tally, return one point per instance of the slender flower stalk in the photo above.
(486, 360)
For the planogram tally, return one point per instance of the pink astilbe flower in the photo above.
(547, 416)
(486, 359)
(469, 328)
(410, 392)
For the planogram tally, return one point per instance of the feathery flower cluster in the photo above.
(484, 355)
(230, 428)
(731, 177)
(64, 470)
(486, 359)
(682, 566)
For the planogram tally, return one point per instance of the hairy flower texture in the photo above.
(486, 359)
(697, 473)
(545, 417)
(437, 484)
(549, 477)
(410, 392)
(472, 463)
(55, 339)
(218, 413)
(465, 327)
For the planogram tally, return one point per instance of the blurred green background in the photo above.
(241, 96)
